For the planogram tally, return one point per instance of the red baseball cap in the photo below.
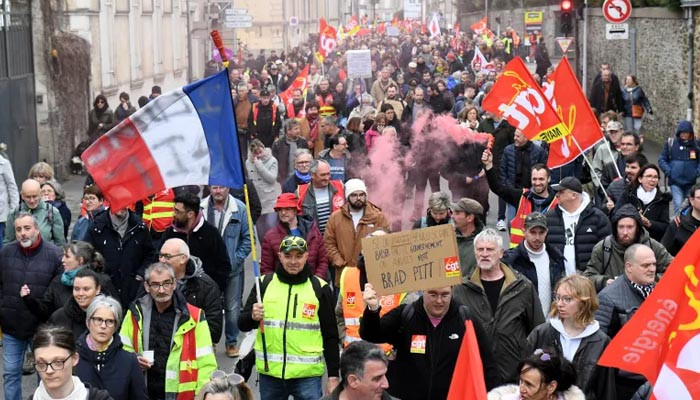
(287, 200)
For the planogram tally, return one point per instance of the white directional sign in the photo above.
(236, 11)
(239, 24)
(616, 31)
(235, 18)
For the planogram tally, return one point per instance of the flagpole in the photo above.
(590, 166)
(216, 37)
(612, 156)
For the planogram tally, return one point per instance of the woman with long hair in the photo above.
(636, 104)
(100, 118)
(648, 198)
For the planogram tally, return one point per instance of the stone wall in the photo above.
(660, 49)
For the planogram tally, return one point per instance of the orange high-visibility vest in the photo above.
(158, 210)
(517, 224)
(325, 104)
(354, 306)
(256, 109)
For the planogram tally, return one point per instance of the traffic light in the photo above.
(566, 20)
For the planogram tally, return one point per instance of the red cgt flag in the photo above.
(468, 375)
(516, 97)
(326, 40)
(300, 82)
(566, 96)
(480, 26)
(662, 340)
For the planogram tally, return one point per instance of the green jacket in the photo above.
(48, 217)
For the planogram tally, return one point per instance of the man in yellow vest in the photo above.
(299, 328)
(539, 197)
(170, 336)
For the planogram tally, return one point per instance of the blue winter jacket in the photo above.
(509, 163)
(233, 229)
(636, 97)
(679, 159)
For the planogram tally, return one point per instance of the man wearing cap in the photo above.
(502, 300)
(543, 265)
(603, 157)
(539, 197)
(468, 219)
(575, 225)
(291, 223)
(229, 216)
(412, 73)
(347, 226)
(265, 120)
(300, 330)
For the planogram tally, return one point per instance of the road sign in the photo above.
(238, 18)
(616, 31)
(293, 21)
(236, 11)
(564, 43)
(239, 24)
(617, 11)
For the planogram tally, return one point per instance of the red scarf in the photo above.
(27, 251)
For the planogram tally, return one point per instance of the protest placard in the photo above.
(412, 260)
(359, 63)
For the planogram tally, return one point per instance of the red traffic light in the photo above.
(565, 5)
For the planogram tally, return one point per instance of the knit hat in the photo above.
(685, 126)
(287, 200)
(354, 185)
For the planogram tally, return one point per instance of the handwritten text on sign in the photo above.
(412, 260)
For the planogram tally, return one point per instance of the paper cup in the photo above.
(149, 355)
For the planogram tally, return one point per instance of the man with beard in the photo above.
(295, 106)
(310, 128)
(265, 120)
(629, 144)
(286, 147)
(324, 98)
(228, 216)
(32, 261)
(288, 77)
(243, 107)
(161, 321)
(347, 226)
(204, 239)
(427, 79)
(607, 260)
(633, 163)
(291, 223)
(392, 97)
(503, 301)
(539, 197)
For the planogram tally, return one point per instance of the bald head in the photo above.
(31, 193)
(176, 253)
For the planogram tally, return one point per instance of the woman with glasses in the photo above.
(86, 287)
(573, 334)
(55, 359)
(225, 387)
(104, 364)
(543, 376)
(76, 256)
(648, 198)
(92, 201)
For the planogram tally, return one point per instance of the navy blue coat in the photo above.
(518, 259)
(119, 374)
(680, 160)
(510, 160)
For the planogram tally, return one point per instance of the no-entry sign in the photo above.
(617, 11)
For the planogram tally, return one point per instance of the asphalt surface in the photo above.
(73, 188)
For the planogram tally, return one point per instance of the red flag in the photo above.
(434, 27)
(468, 375)
(480, 26)
(326, 40)
(566, 96)
(662, 340)
(395, 21)
(300, 82)
(455, 28)
(516, 97)
(381, 27)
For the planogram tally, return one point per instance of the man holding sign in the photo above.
(427, 336)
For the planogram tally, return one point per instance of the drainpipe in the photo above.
(691, 57)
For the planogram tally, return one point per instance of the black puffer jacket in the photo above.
(17, 269)
(679, 231)
(592, 227)
(617, 303)
(656, 211)
(519, 312)
(597, 382)
(518, 259)
(70, 316)
(201, 291)
(126, 258)
(424, 376)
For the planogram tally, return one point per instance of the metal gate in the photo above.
(17, 100)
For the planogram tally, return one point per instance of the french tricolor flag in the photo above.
(184, 137)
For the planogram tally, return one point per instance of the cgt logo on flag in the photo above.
(350, 298)
(309, 311)
(516, 97)
(418, 344)
(452, 268)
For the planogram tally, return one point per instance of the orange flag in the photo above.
(326, 40)
(662, 340)
(566, 96)
(468, 375)
(480, 26)
(516, 97)
(300, 82)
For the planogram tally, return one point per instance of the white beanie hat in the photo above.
(354, 185)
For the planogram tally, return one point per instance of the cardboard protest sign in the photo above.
(412, 260)
(359, 63)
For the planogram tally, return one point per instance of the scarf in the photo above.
(79, 392)
(644, 290)
(644, 196)
(304, 178)
(68, 276)
(119, 224)
(27, 251)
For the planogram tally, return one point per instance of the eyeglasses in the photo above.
(169, 256)
(650, 176)
(157, 285)
(293, 241)
(565, 299)
(57, 365)
(109, 323)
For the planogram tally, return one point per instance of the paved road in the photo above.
(73, 188)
